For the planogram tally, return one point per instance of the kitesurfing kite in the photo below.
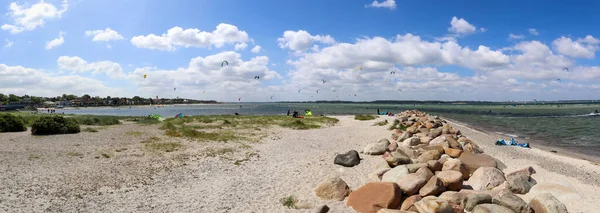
(359, 67)
(324, 81)
(204, 92)
(567, 69)
(257, 77)
(400, 90)
(175, 88)
(271, 97)
(144, 76)
(224, 62)
(239, 99)
(393, 72)
(558, 80)
(317, 91)
(299, 90)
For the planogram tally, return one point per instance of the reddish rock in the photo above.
(452, 179)
(374, 196)
(393, 146)
(434, 187)
(456, 165)
(453, 143)
(474, 161)
(410, 202)
(455, 153)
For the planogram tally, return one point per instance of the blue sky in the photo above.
(443, 50)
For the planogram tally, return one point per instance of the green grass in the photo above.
(105, 155)
(143, 120)
(289, 201)
(33, 157)
(397, 125)
(90, 120)
(298, 124)
(90, 129)
(134, 133)
(381, 123)
(151, 140)
(163, 147)
(212, 152)
(364, 117)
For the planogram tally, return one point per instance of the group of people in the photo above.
(307, 112)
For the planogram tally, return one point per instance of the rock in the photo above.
(453, 143)
(400, 158)
(562, 190)
(376, 148)
(334, 188)
(395, 174)
(405, 135)
(412, 168)
(428, 125)
(434, 165)
(408, 151)
(413, 141)
(378, 174)
(421, 134)
(452, 179)
(428, 155)
(444, 158)
(511, 201)
(463, 140)
(424, 130)
(348, 159)
(374, 196)
(472, 148)
(412, 129)
(435, 132)
(392, 147)
(434, 187)
(473, 200)
(438, 140)
(452, 197)
(433, 147)
(491, 208)
(547, 203)
(393, 211)
(455, 153)
(526, 171)
(411, 183)
(382, 164)
(456, 165)
(410, 202)
(457, 132)
(395, 136)
(475, 161)
(433, 205)
(426, 139)
(321, 209)
(425, 172)
(486, 178)
(519, 183)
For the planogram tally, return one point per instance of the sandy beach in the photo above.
(113, 171)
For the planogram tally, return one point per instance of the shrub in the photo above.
(49, 125)
(11, 123)
(364, 117)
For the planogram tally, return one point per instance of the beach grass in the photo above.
(134, 133)
(364, 117)
(163, 146)
(289, 201)
(90, 129)
(74, 154)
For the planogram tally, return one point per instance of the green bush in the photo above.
(11, 123)
(50, 125)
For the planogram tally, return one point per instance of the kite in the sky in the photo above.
(558, 80)
(567, 69)
(393, 72)
(224, 62)
(240, 99)
(317, 91)
(271, 97)
(324, 81)
(359, 67)
(175, 88)
(400, 90)
(144, 76)
(257, 77)
(299, 90)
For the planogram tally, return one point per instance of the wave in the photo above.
(586, 115)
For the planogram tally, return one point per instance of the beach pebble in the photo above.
(375, 195)
(434, 187)
(433, 204)
(348, 159)
(474, 161)
(470, 201)
(491, 208)
(452, 179)
(486, 178)
(509, 200)
(334, 188)
(395, 174)
(547, 203)
(321, 209)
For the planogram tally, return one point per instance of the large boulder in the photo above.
(547, 203)
(474, 199)
(396, 158)
(405, 135)
(452, 179)
(334, 188)
(376, 148)
(455, 153)
(412, 168)
(410, 202)
(411, 183)
(393, 211)
(453, 143)
(452, 197)
(429, 155)
(413, 141)
(321, 209)
(439, 140)
(425, 172)
(435, 132)
(374, 196)
(434, 165)
(472, 148)
(509, 200)
(395, 174)
(486, 178)
(434, 187)
(491, 208)
(434, 205)
(392, 147)
(413, 154)
(456, 165)
(519, 183)
(474, 161)
(426, 139)
(348, 159)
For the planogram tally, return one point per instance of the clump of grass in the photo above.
(105, 155)
(247, 158)
(364, 117)
(298, 124)
(289, 201)
(74, 154)
(224, 136)
(97, 120)
(120, 150)
(163, 147)
(134, 133)
(90, 129)
(151, 140)
(381, 123)
(146, 120)
(211, 152)
(33, 157)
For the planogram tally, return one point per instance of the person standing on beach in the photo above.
(288, 114)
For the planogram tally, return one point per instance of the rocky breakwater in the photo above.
(429, 167)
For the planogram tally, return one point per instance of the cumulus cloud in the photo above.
(177, 36)
(55, 42)
(240, 46)
(256, 49)
(104, 35)
(390, 4)
(581, 48)
(301, 40)
(533, 31)
(515, 37)
(460, 26)
(29, 18)
(8, 43)
(78, 65)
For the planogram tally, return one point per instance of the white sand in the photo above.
(290, 162)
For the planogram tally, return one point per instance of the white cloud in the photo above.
(177, 36)
(515, 37)
(78, 65)
(55, 42)
(104, 35)
(390, 4)
(460, 26)
(533, 31)
(581, 48)
(482, 29)
(240, 46)
(301, 40)
(8, 43)
(30, 18)
(256, 49)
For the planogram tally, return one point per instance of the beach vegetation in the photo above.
(33, 157)
(74, 154)
(397, 125)
(212, 152)
(96, 120)
(289, 201)
(163, 147)
(11, 123)
(49, 125)
(90, 129)
(381, 123)
(134, 133)
(364, 117)
(151, 140)
(105, 155)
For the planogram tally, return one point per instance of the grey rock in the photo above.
(348, 159)
(547, 203)
(520, 183)
(509, 200)
(475, 199)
